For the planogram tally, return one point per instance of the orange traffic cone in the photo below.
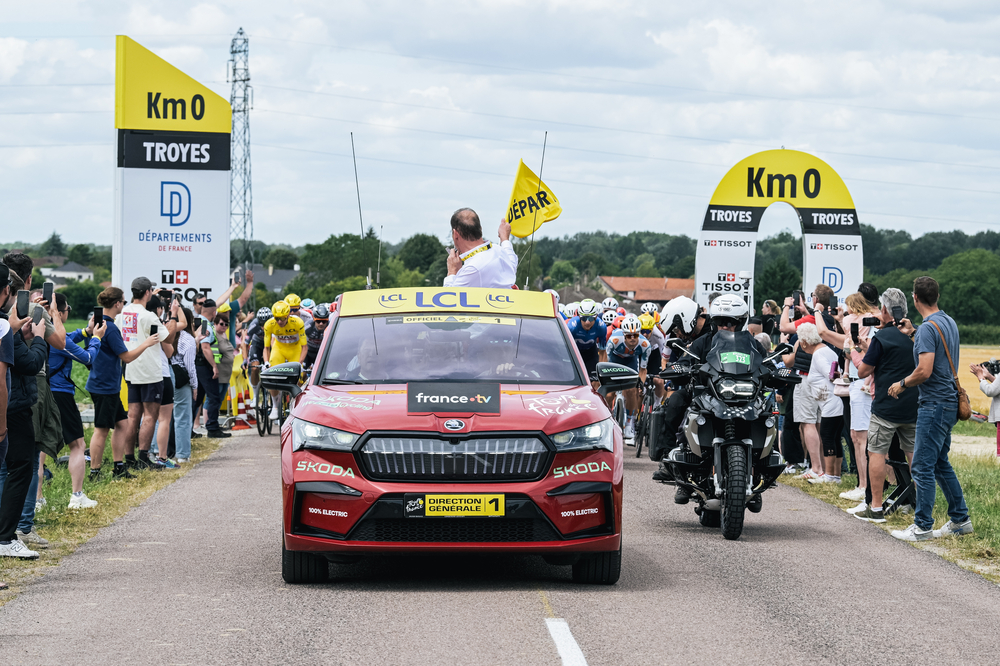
(240, 423)
(251, 413)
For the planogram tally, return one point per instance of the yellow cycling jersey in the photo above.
(293, 333)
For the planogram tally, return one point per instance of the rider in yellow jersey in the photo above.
(290, 342)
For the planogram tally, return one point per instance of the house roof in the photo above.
(277, 280)
(650, 289)
(73, 267)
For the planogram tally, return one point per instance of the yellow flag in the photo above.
(532, 203)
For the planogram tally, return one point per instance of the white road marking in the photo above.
(569, 651)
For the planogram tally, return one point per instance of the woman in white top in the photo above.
(989, 385)
(825, 407)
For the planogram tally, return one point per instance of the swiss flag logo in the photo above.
(819, 246)
(181, 277)
(730, 277)
(714, 243)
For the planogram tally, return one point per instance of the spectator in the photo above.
(219, 382)
(164, 417)
(815, 408)
(857, 309)
(143, 375)
(185, 387)
(755, 326)
(474, 262)
(990, 386)
(888, 359)
(794, 316)
(30, 352)
(935, 351)
(104, 386)
(769, 314)
(765, 341)
(711, 297)
(64, 394)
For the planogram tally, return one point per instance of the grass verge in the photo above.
(977, 552)
(67, 529)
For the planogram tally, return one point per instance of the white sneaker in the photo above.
(81, 502)
(826, 478)
(629, 431)
(17, 549)
(182, 460)
(957, 529)
(857, 509)
(913, 533)
(854, 495)
(274, 413)
(791, 469)
(32, 538)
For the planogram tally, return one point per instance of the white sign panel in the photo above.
(720, 257)
(834, 260)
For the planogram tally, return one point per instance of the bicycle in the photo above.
(648, 402)
(263, 408)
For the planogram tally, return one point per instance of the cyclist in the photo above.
(610, 303)
(288, 333)
(589, 334)
(252, 346)
(295, 304)
(608, 317)
(308, 305)
(650, 308)
(628, 347)
(571, 309)
(314, 332)
(652, 332)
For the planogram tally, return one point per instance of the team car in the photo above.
(456, 420)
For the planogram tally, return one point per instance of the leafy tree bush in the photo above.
(282, 258)
(53, 247)
(420, 251)
(81, 296)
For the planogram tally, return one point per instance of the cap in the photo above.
(142, 284)
(4, 275)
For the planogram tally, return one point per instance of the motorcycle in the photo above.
(730, 428)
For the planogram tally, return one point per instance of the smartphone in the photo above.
(871, 321)
(166, 297)
(22, 304)
(832, 304)
(36, 316)
(796, 298)
(153, 328)
(897, 315)
(854, 332)
(204, 327)
(98, 316)
(47, 293)
(237, 278)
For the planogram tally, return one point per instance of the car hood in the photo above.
(549, 409)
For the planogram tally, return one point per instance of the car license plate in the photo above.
(452, 506)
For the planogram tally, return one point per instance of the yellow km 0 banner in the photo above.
(532, 203)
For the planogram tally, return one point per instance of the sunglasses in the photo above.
(631, 336)
(588, 319)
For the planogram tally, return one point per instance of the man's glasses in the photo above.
(631, 336)
(586, 319)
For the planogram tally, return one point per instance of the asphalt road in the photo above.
(193, 577)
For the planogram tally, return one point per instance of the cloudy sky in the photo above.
(646, 104)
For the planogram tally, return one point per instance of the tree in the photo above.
(420, 251)
(53, 247)
(281, 258)
(683, 268)
(647, 269)
(338, 257)
(81, 296)
(562, 273)
(969, 284)
(81, 254)
(776, 280)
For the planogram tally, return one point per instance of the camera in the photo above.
(992, 366)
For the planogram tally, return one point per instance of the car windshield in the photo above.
(448, 347)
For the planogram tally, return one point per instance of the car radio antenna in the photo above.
(357, 185)
(378, 266)
(534, 222)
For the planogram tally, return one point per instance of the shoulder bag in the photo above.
(964, 407)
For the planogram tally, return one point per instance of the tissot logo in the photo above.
(168, 276)
(841, 247)
(462, 398)
(727, 243)
(727, 277)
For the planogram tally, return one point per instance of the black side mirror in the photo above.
(283, 377)
(615, 377)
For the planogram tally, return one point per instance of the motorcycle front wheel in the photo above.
(734, 502)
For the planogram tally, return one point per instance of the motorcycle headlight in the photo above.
(598, 435)
(730, 389)
(307, 435)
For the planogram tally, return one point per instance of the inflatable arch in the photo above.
(831, 233)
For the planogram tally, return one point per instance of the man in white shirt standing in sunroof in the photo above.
(144, 375)
(475, 262)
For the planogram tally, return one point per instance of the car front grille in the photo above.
(421, 458)
(453, 530)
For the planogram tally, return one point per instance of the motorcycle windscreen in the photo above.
(734, 353)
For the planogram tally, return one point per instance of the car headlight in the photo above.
(307, 435)
(598, 435)
(730, 389)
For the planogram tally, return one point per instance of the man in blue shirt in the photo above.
(589, 333)
(935, 352)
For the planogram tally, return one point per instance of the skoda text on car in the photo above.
(448, 420)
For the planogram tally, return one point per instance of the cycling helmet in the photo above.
(610, 304)
(630, 324)
(621, 311)
(308, 303)
(571, 309)
(609, 317)
(649, 308)
(588, 308)
(280, 310)
(554, 293)
(680, 314)
(263, 315)
(321, 313)
(293, 301)
(729, 310)
(600, 308)
(646, 321)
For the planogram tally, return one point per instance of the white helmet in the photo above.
(729, 309)
(649, 308)
(588, 308)
(554, 293)
(610, 304)
(631, 324)
(680, 313)
(572, 308)
(609, 316)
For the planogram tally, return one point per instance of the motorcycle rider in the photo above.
(728, 313)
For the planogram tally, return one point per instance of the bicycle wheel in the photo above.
(645, 416)
(260, 412)
(268, 404)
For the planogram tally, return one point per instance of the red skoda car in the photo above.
(449, 420)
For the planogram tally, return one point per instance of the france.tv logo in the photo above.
(175, 202)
